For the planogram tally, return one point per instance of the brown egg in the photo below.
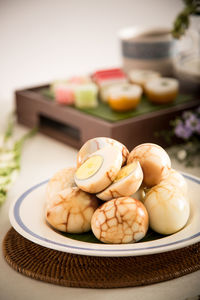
(154, 161)
(168, 208)
(121, 220)
(61, 180)
(71, 210)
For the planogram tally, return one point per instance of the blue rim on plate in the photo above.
(20, 223)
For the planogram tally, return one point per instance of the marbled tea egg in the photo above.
(167, 207)
(175, 178)
(98, 143)
(99, 170)
(154, 161)
(71, 210)
(121, 220)
(126, 183)
(61, 180)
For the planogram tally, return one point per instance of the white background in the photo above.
(43, 40)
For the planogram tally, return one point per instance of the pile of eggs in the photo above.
(118, 194)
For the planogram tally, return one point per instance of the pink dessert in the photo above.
(109, 76)
(65, 94)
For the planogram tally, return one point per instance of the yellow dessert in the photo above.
(124, 97)
(162, 90)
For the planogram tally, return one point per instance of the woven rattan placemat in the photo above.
(73, 270)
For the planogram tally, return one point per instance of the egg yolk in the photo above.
(89, 167)
(125, 171)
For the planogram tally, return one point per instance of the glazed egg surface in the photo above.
(100, 170)
(60, 181)
(177, 180)
(126, 183)
(121, 220)
(167, 207)
(154, 161)
(98, 143)
(71, 210)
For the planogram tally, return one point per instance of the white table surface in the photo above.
(42, 157)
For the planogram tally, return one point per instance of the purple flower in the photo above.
(186, 115)
(192, 122)
(182, 131)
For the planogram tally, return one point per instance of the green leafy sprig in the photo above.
(182, 21)
(10, 156)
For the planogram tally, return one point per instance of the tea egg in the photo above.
(177, 180)
(61, 180)
(99, 170)
(98, 143)
(167, 207)
(121, 220)
(126, 183)
(154, 161)
(71, 210)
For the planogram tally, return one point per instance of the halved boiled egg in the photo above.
(98, 143)
(99, 170)
(126, 183)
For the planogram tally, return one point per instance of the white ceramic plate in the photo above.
(27, 217)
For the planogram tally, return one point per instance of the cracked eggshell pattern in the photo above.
(98, 143)
(119, 221)
(154, 161)
(174, 178)
(71, 210)
(126, 186)
(167, 207)
(177, 180)
(61, 180)
(106, 174)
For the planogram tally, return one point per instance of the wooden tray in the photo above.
(74, 127)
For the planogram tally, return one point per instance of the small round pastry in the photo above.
(124, 97)
(99, 170)
(98, 143)
(71, 210)
(167, 207)
(119, 221)
(154, 161)
(126, 183)
(141, 77)
(162, 90)
(61, 180)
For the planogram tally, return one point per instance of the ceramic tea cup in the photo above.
(143, 48)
